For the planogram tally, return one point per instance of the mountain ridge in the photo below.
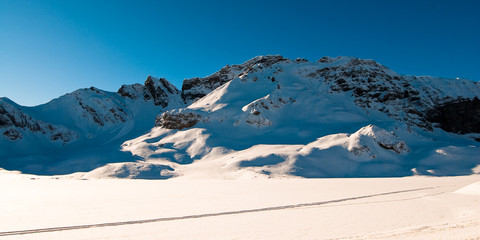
(266, 100)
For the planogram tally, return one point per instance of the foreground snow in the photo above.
(354, 208)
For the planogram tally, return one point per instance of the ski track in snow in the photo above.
(111, 224)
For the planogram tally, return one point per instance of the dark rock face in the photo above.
(195, 88)
(124, 91)
(12, 134)
(172, 120)
(156, 89)
(374, 87)
(461, 116)
(397, 147)
(301, 60)
(203, 85)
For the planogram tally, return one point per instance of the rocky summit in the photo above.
(268, 117)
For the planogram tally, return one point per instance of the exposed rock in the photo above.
(375, 87)
(397, 147)
(195, 88)
(266, 104)
(15, 122)
(177, 120)
(460, 116)
(301, 60)
(101, 110)
(367, 137)
(12, 134)
(133, 91)
(157, 89)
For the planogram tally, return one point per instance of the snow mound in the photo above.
(371, 151)
(131, 170)
(372, 137)
(472, 189)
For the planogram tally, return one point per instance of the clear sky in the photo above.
(49, 48)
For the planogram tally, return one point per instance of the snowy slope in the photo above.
(267, 117)
(81, 130)
(337, 117)
(13, 122)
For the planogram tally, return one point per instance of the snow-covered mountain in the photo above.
(267, 117)
(81, 130)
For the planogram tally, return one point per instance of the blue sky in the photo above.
(49, 48)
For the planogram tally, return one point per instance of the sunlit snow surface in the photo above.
(274, 117)
(365, 208)
(281, 121)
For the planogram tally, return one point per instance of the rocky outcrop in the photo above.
(177, 120)
(98, 106)
(460, 116)
(373, 86)
(367, 142)
(14, 123)
(157, 89)
(404, 98)
(255, 111)
(195, 88)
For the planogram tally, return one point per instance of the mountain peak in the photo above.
(160, 90)
(195, 88)
(266, 60)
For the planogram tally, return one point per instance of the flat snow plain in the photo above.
(354, 208)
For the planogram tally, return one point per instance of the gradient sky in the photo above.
(49, 48)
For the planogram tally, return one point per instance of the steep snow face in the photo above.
(15, 125)
(89, 109)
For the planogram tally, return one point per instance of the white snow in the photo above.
(244, 170)
(410, 208)
(271, 117)
(472, 189)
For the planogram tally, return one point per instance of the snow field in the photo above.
(430, 211)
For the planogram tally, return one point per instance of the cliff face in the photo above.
(161, 91)
(195, 88)
(460, 116)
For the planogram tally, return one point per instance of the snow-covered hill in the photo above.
(81, 130)
(268, 117)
